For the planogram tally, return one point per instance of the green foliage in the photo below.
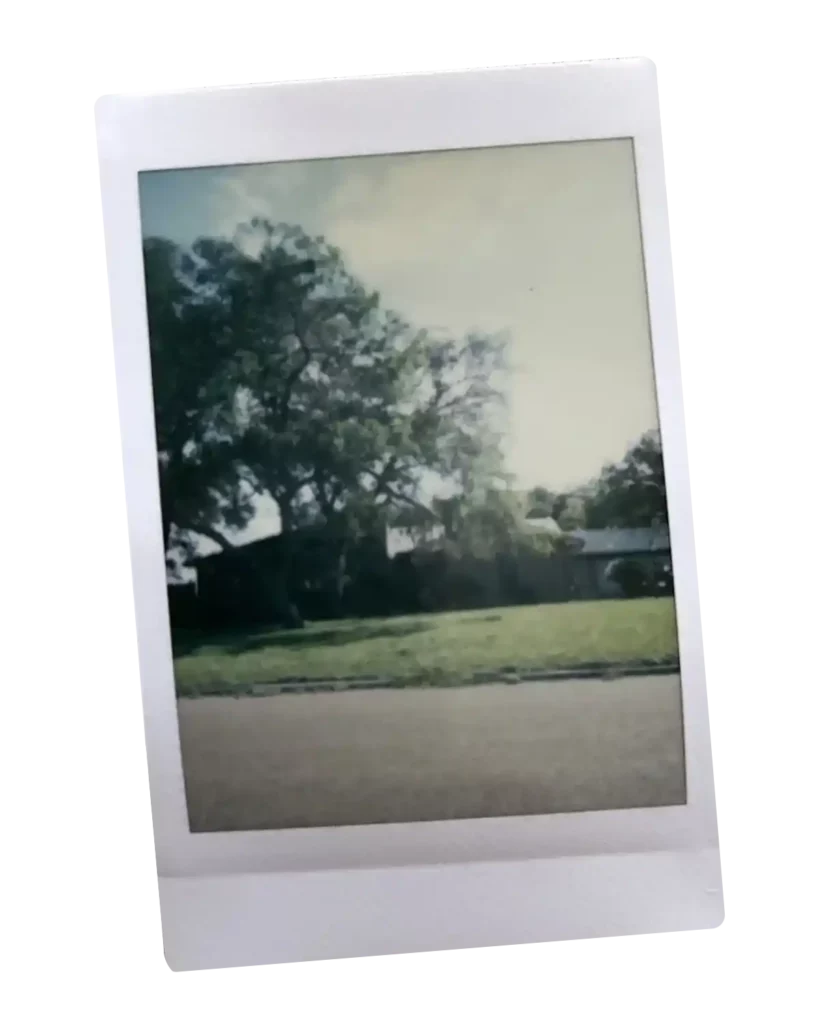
(570, 512)
(194, 373)
(541, 503)
(278, 373)
(632, 492)
(483, 523)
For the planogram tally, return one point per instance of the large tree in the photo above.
(290, 380)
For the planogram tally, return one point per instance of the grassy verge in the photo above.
(443, 649)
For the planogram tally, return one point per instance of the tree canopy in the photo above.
(278, 373)
(632, 491)
(194, 386)
(629, 493)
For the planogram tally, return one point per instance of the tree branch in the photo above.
(406, 499)
(381, 478)
(215, 535)
(293, 376)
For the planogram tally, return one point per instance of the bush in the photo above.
(629, 576)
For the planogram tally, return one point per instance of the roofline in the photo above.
(233, 549)
(615, 552)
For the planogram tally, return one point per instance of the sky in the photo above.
(540, 242)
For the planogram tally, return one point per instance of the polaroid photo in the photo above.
(409, 515)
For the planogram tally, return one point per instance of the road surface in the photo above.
(364, 757)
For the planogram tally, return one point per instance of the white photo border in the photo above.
(354, 117)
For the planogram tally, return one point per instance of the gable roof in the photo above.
(624, 541)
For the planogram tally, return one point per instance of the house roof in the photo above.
(624, 541)
(238, 547)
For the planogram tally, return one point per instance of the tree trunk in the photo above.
(282, 605)
(339, 578)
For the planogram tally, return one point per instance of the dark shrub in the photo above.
(630, 576)
(183, 606)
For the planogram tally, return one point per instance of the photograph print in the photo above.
(413, 497)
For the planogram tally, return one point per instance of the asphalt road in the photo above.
(364, 757)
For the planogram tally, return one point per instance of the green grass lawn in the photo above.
(441, 649)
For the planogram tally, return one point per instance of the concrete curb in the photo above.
(508, 676)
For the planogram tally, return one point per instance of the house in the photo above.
(597, 564)
(321, 575)
(318, 573)
(235, 586)
(597, 554)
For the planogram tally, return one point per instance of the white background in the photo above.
(218, 926)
